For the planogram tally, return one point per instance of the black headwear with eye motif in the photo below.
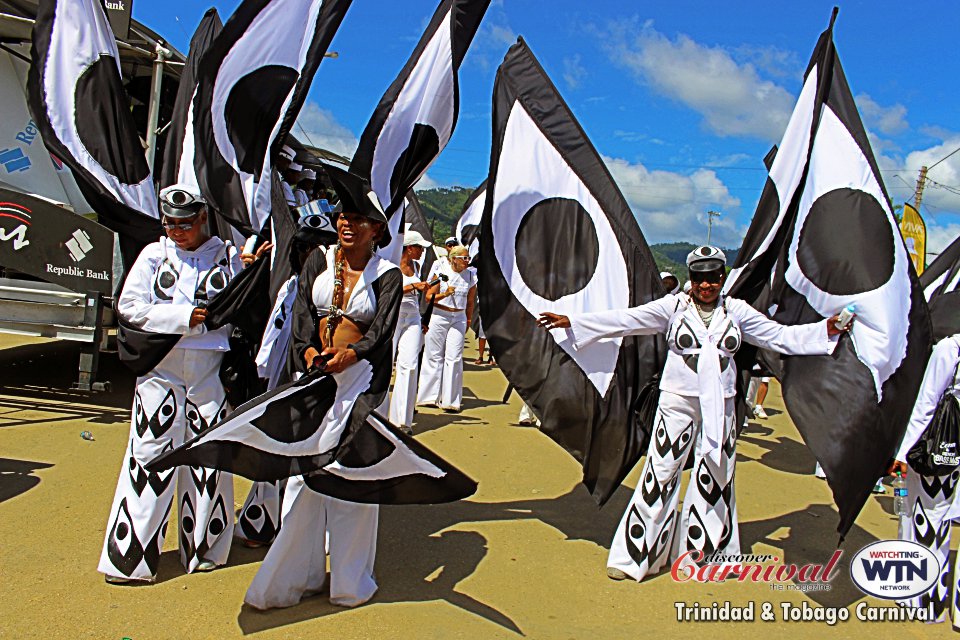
(356, 196)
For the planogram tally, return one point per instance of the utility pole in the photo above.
(918, 194)
(710, 216)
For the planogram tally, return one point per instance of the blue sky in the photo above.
(682, 98)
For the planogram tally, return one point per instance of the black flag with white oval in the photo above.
(416, 116)
(251, 86)
(468, 226)
(77, 99)
(941, 287)
(557, 235)
(824, 237)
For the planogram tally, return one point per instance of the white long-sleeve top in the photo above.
(940, 376)
(272, 355)
(166, 283)
(677, 318)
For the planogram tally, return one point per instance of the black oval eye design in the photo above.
(165, 282)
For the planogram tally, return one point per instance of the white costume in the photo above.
(259, 519)
(301, 197)
(441, 375)
(695, 413)
(178, 399)
(931, 497)
(295, 565)
(407, 342)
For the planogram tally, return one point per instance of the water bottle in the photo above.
(846, 317)
(901, 505)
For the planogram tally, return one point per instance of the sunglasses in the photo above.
(182, 226)
(710, 277)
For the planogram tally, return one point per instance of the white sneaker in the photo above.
(758, 412)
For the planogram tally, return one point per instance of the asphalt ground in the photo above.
(524, 557)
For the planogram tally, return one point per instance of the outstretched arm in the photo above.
(586, 328)
(816, 338)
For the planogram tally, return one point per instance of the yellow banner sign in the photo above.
(914, 233)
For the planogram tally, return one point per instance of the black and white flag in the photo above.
(78, 102)
(417, 221)
(252, 83)
(284, 433)
(417, 115)
(178, 153)
(558, 236)
(824, 237)
(941, 288)
(468, 226)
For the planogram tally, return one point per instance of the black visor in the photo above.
(706, 265)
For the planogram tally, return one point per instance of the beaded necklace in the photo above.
(335, 311)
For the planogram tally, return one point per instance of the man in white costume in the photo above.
(695, 414)
(166, 291)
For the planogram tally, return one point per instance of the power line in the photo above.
(943, 158)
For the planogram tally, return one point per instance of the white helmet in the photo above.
(706, 258)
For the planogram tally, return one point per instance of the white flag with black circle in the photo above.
(416, 116)
(557, 235)
(824, 238)
(468, 226)
(941, 287)
(78, 102)
(251, 86)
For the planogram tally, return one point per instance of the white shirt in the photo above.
(410, 303)
(939, 377)
(166, 283)
(362, 304)
(461, 283)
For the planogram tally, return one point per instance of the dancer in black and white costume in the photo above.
(931, 497)
(348, 285)
(695, 412)
(259, 520)
(165, 292)
(441, 374)
(408, 338)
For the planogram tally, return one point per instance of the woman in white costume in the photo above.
(344, 317)
(441, 374)
(166, 291)
(408, 339)
(930, 497)
(695, 414)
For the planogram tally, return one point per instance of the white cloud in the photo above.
(887, 120)
(733, 98)
(938, 237)
(323, 131)
(946, 173)
(573, 71)
(672, 207)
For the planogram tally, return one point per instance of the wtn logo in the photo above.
(894, 569)
(14, 160)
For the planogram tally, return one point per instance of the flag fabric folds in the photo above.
(824, 237)
(78, 102)
(281, 434)
(557, 235)
(417, 221)
(251, 85)
(416, 116)
(940, 283)
(468, 226)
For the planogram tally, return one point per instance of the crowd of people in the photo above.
(358, 317)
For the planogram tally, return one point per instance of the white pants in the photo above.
(259, 519)
(407, 341)
(930, 500)
(441, 376)
(296, 565)
(648, 535)
(180, 398)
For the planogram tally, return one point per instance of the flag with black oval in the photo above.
(941, 287)
(468, 226)
(824, 237)
(78, 102)
(251, 85)
(416, 116)
(557, 235)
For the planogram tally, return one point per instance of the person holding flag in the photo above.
(695, 414)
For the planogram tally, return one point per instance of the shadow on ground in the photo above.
(16, 476)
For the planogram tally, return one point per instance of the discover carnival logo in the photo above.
(894, 569)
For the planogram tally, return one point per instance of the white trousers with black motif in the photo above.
(652, 532)
(441, 373)
(930, 499)
(180, 398)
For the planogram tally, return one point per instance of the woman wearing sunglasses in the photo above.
(441, 374)
(695, 414)
(166, 291)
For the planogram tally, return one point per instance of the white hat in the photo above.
(296, 167)
(309, 174)
(181, 201)
(287, 152)
(687, 286)
(450, 240)
(706, 258)
(411, 238)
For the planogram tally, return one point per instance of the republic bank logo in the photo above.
(20, 217)
(78, 245)
(14, 160)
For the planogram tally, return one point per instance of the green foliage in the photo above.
(442, 208)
